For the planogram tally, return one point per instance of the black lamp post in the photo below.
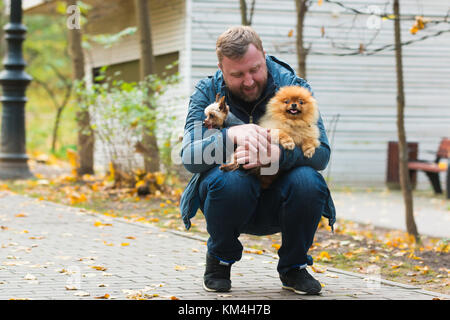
(14, 81)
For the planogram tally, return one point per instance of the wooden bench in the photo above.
(432, 169)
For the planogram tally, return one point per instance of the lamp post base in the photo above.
(15, 171)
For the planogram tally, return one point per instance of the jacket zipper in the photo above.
(250, 116)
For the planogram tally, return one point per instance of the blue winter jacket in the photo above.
(197, 138)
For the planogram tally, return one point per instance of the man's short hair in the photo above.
(234, 42)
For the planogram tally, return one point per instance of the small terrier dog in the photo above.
(216, 113)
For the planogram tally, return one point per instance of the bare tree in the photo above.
(59, 104)
(2, 22)
(85, 134)
(405, 182)
(246, 20)
(302, 52)
(151, 154)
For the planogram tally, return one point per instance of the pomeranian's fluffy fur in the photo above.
(291, 115)
(294, 112)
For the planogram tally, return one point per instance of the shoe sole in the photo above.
(214, 290)
(301, 292)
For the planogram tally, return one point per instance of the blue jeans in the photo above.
(234, 203)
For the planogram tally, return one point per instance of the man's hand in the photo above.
(254, 147)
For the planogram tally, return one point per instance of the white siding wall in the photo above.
(361, 89)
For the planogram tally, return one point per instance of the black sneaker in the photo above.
(300, 281)
(217, 275)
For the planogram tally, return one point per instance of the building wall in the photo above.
(169, 38)
(360, 89)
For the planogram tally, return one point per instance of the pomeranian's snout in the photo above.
(294, 108)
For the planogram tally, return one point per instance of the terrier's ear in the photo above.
(217, 97)
(222, 104)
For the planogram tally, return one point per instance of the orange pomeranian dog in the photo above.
(293, 111)
(292, 114)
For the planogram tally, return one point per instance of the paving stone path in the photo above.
(52, 251)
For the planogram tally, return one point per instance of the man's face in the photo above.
(246, 77)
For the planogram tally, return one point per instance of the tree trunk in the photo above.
(302, 8)
(85, 134)
(151, 158)
(246, 20)
(405, 182)
(2, 24)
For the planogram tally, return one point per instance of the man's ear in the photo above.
(219, 65)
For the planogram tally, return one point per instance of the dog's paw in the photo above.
(289, 145)
(309, 152)
(229, 167)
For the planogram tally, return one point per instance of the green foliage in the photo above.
(48, 62)
(108, 40)
(121, 112)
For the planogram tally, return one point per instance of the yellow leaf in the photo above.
(276, 246)
(21, 215)
(318, 270)
(140, 183)
(125, 244)
(324, 256)
(105, 296)
(99, 268)
(291, 33)
(180, 268)
(73, 158)
(159, 178)
(414, 29)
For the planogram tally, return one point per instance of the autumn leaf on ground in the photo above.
(71, 287)
(105, 296)
(323, 256)
(99, 268)
(21, 215)
(317, 269)
(180, 268)
(101, 224)
(124, 244)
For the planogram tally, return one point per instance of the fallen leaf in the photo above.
(82, 294)
(174, 298)
(125, 244)
(180, 268)
(21, 215)
(71, 287)
(276, 246)
(105, 296)
(99, 268)
(130, 237)
(318, 270)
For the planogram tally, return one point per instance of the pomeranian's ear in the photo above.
(217, 97)
(223, 105)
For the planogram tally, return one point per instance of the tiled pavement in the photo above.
(49, 250)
